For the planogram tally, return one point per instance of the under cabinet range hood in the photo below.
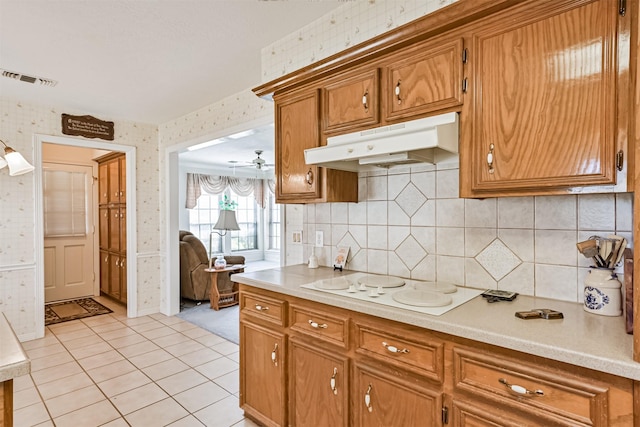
(427, 140)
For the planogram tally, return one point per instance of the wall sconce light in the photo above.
(17, 164)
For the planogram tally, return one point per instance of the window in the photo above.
(274, 223)
(206, 212)
(246, 214)
(65, 203)
(201, 220)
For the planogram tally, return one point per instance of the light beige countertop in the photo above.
(583, 339)
(13, 360)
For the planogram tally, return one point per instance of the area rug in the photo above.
(59, 312)
(223, 322)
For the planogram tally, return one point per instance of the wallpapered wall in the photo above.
(19, 122)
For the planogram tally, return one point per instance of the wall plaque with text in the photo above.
(87, 126)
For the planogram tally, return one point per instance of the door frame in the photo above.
(171, 290)
(132, 267)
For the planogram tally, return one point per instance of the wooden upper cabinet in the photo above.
(351, 102)
(122, 181)
(298, 128)
(103, 183)
(424, 78)
(544, 116)
(297, 124)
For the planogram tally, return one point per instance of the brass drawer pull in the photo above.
(274, 355)
(316, 325)
(521, 390)
(309, 177)
(365, 102)
(490, 158)
(332, 383)
(367, 399)
(397, 92)
(261, 308)
(394, 349)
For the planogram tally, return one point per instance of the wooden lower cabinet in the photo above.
(382, 399)
(318, 386)
(308, 364)
(262, 377)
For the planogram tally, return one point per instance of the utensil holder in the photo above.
(602, 293)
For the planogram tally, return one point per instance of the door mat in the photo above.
(59, 312)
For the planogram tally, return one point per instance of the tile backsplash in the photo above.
(411, 223)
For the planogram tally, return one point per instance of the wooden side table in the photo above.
(215, 297)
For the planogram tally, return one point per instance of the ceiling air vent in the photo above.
(28, 79)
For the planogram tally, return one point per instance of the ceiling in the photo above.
(144, 61)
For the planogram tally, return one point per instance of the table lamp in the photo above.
(226, 221)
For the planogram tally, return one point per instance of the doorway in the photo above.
(69, 145)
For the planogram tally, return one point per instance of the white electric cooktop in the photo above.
(433, 298)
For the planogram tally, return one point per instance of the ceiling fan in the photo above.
(259, 163)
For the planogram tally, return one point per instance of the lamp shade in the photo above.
(227, 221)
(17, 164)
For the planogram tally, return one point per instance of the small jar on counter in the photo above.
(603, 293)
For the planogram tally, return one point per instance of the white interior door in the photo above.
(68, 231)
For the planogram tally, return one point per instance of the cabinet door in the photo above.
(103, 227)
(122, 179)
(428, 78)
(114, 229)
(103, 183)
(544, 108)
(114, 181)
(123, 279)
(262, 374)
(351, 102)
(297, 122)
(104, 272)
(386, 400)
(122, 212)
(114, 275)
(319, 386)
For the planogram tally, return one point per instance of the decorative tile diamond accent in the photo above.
(410, 199)
(348, 240)
(410, 252)
(498, 259)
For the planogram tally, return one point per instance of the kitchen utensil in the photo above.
(589, 248)
(620, 243)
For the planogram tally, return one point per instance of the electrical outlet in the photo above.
(296, 237)
(319, 238)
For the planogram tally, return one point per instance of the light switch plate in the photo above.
(319, 238)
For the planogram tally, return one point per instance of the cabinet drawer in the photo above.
(412, 352)
(560, 398)
(262, 307)
(327, 327)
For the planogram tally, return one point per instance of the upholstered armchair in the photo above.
(195, 281)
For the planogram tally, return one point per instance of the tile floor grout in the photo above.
(113, 371)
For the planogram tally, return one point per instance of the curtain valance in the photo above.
(216, 184)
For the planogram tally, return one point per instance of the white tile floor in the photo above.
(109, 370)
